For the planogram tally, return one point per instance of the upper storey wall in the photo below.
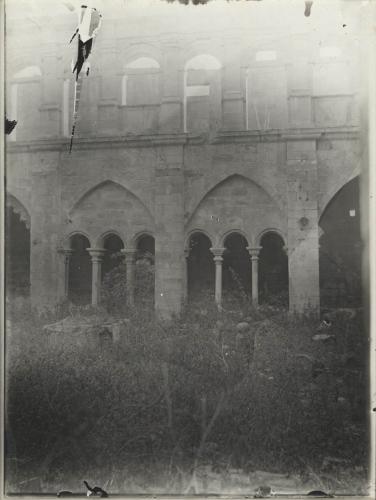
(165, 68)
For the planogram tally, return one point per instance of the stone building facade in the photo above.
(195, 124)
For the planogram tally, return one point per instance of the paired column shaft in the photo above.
(254, 253)
(218, 259)
(130, 254)
(96, 280)
(67, 254)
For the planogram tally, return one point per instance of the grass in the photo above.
(148, 412)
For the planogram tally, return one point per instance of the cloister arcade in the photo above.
(236, 268)
(86, 267)
(221, 159)
(258, 272)
(217, 267)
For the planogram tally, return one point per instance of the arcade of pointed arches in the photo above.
(218, 265)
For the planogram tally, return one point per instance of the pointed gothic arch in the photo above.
(110, 204)
(236, 202)
(108, 182)
(227, 178)
(340, 256)
(13, 202)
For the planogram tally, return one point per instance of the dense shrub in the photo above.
(168, 397)
(114, 289)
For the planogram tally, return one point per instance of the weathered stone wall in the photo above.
(271, 126)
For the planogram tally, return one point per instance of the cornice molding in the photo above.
(104, 142)
(221, 137)
(283, 135)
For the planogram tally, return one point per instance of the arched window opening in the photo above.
(265, 92)
(200, 266)
(202, 93)
(146, 248)
(332, 82)
(141, 82)
(145, 272)
(141, 95)
(237, 271)
(143, 63)
(17, 254)
(112, 257)
(24, 96)
(341, 249)
(79, 282)
(273, 270)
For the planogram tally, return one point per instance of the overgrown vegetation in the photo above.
(114, 290)
(242, 388)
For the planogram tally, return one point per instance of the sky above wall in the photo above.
(331, 14)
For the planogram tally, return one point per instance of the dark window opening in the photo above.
(200, 264)
(112, 257)
(79, 284)
(273, 270)
(237, 271)
(146, 248)
(341, 249)
(145, 272)
(17, 254)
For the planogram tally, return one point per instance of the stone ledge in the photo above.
(288, 134)
(153, 140)
(104, 142)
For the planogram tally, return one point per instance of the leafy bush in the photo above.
(114, 288)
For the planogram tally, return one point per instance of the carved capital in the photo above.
(96, 254)
(254, 252)
(217, 252)
(67, 252)
(129, 254)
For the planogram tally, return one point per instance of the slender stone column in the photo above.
(218, 259)
(96, 259)
(254, 253)
(67, 254)
(130, 254)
